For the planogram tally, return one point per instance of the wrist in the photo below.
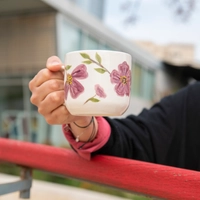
(84, 122)
(85, 129)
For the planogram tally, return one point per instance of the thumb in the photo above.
(54, 64)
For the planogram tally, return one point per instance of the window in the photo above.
(147, 84)
(94, 7)
(92, 43)
(88, 42)
(68, 37)
(142, 82)
(136, 79)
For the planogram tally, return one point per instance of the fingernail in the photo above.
(55, 63)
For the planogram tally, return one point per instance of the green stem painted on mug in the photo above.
(99, 65)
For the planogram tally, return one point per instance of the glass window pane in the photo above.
(68, 36)
(11, 98)
(151, 79)
(136, 80)
(143, 84)
(147, 84)
(92, 43)
(109, 48)
(106, 47)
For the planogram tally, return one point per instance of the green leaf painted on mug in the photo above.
(98, 58)
(100, 70)
(68, 67)
(94, 100)
(87, 62)
(84, 55)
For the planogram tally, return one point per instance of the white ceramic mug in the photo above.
(97, 82)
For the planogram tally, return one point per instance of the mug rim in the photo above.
(97, 50)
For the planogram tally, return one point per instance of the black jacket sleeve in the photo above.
(168, 133)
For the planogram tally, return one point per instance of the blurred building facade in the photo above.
(179, 67)
(175, 53)
(33, 30)
(94, 7)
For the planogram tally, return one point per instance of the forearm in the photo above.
(168, 133)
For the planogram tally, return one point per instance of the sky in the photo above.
(155, 23)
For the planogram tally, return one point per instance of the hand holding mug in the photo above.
(51, 87)
(47, 89)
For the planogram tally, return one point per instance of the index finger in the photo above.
(53, 70)
(43, 76)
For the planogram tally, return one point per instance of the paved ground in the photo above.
(50, 191)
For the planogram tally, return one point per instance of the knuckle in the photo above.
(61, 95)
(45, 73)
(40, 110)
(55, 98)
(33, 99)
(50, 120)
(54, 85)
(30, 85)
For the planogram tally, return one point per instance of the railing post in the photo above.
(26, 174)
(23, 185)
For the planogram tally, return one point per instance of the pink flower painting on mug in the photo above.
(99, 91)
(122, 79)
(72, 85)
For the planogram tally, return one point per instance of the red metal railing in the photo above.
(135, 176)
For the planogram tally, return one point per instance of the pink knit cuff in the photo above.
(102, 137)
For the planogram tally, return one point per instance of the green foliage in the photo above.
(87, 62)
(9, 168)
(98, 58)
(94, 99)
(84, 55)
(68, 67)
(100, 70)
